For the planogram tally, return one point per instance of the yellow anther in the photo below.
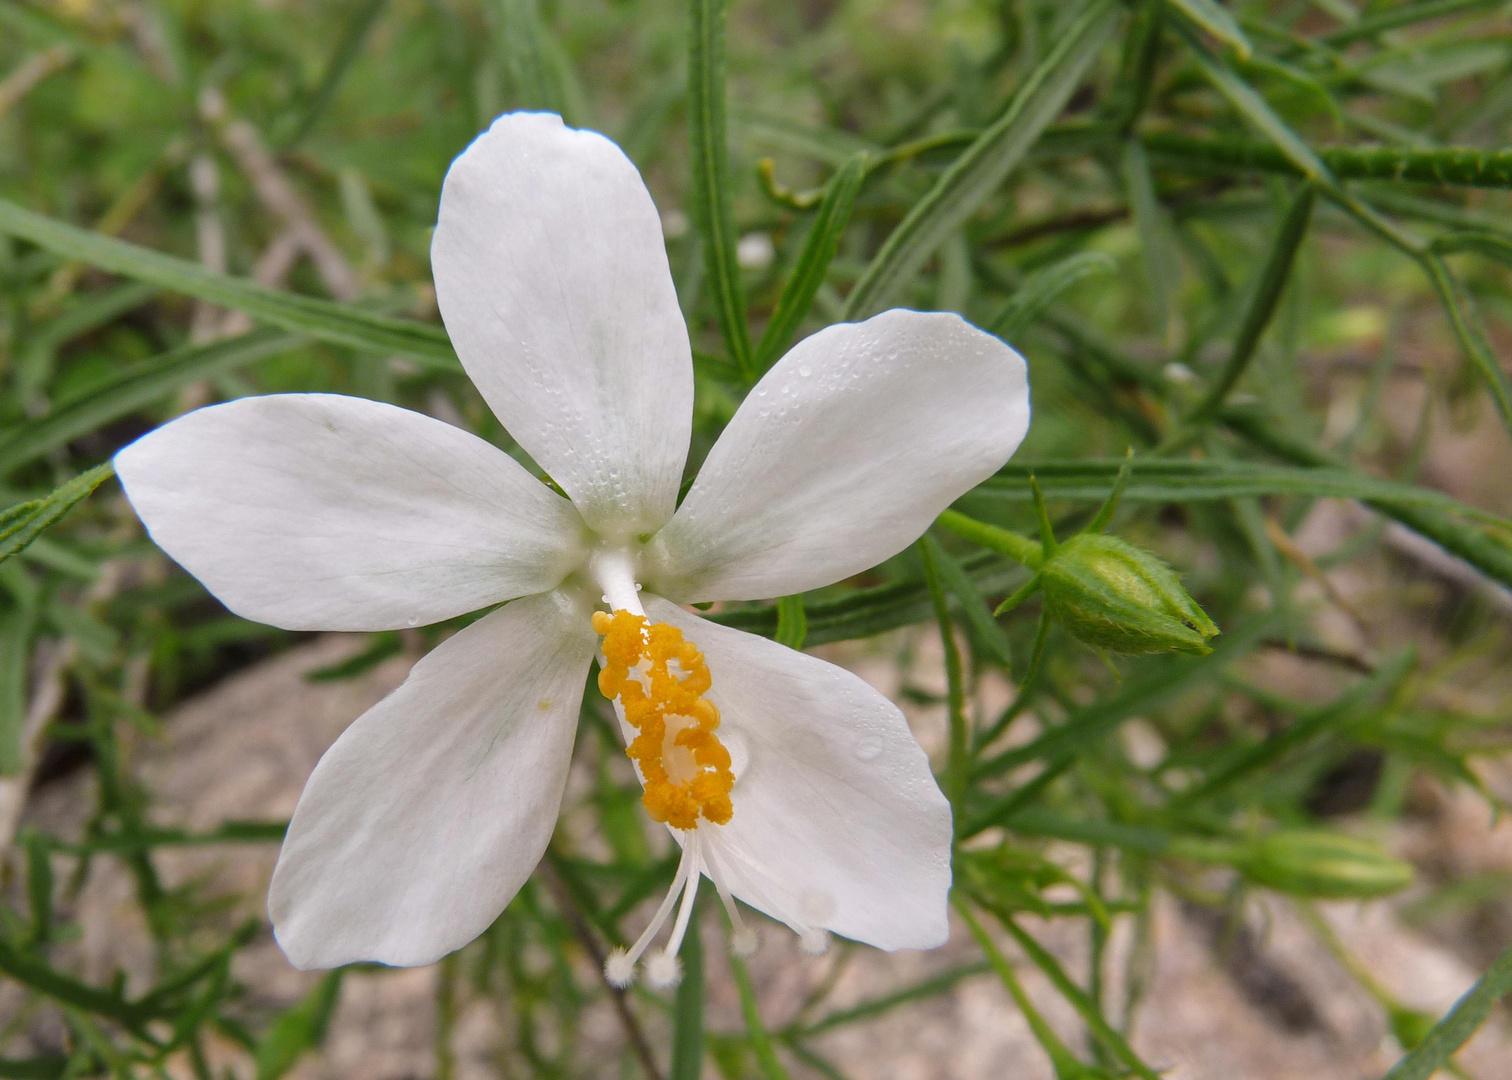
(683, 765)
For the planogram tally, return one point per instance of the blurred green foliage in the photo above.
(1174, 208)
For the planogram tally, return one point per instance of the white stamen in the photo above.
(690, 891)
(663, 971)
(744, 940)
(615, 573)
(619, 969)
(814, 941)
(621, 965)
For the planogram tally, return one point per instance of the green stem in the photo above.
(958, 758)
(1016, 547)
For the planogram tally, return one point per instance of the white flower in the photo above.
(322, 512)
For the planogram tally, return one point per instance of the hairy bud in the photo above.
(1112, 594)
(1323, 864)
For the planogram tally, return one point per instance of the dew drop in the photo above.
(805, 371)
(413, 620)
(868, 749)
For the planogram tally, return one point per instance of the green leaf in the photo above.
(1264, 300)
(1458, 1024)
(1157, 240)
(865, 612)
(348, 48)
(298, 1029)
(1084, 1006)
(1043, 287)
(1213, 18)
(756, 1031)
(1247, 101)
(1389, 17)
(985, 164)
(23, 523)
(1459, 166)
(1488, 554)
(135, 386)
(45, 1067)
(688, 1007)
(339, 324)
(1472, 339)
(1163, 682)
(1166, 480)
(813, 262)
(710, 168)
(792, 622)
(985, 633)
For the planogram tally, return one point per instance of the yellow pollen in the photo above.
(684, 766)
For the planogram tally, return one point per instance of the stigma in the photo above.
(659, 679)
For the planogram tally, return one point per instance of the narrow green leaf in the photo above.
(1157, 480)
(298, 1029)
(866, 612)
(20, 525)
(340, 324)
(1247, 101)
(710, 168)
(1263, 301)
(1456, 166)
(348, 48)
(1165, 681)
(135, 386)
(1153, 226)
(756, 1031)
(1085, 1007)
(1458, 1024)
(1391, 16)
(925, 988)
(985, 633)
(18, 626)
(1383, 683)
(983, 166)
(688, 1007)
(792, 622)
(45, 1067)
(1461, 320)
(1489, 555)
(813, 262)
(1043, 287)
(1061, 1059)
(1484, 243)
(957, 775)
(1216, 20)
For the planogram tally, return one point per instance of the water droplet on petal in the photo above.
(805, 370)
(868, 749)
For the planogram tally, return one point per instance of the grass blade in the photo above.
(1470, 337)
(688, 1007)
(792, 622)
(813, 262)
(1043, 287)
(983, 166)
(347, 50)
(135, 386)
(299, 1029)
(1455, 1029)
(710, 168)
(756, 1032)
(1247, 101)
(1216, 21)
(1262, 306)
(20, 525)
(339, 324)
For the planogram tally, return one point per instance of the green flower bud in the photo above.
(1323, 864)
(1110, 593)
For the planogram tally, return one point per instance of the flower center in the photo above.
(683, 765)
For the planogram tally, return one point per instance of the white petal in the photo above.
(322, 512)
(838, 822)
(552, 277)
(842, 455)
(428, 814)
